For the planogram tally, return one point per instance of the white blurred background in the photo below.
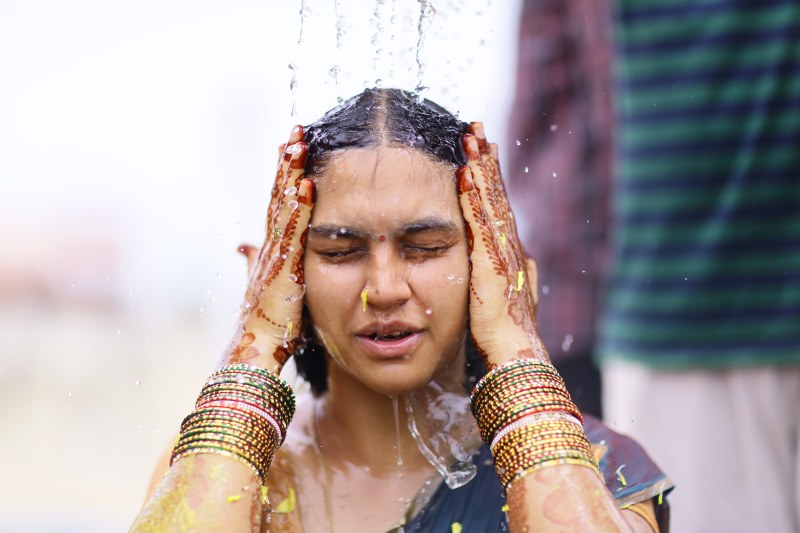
(137, 148)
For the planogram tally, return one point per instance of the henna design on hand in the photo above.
(498, 269)
(271, 315)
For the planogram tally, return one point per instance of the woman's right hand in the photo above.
(269, 322)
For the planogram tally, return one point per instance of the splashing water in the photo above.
(397, 430)
(293, 88)
(304, 12)
(425, 18)
(445, 433)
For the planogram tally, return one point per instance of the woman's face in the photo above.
(387, 268)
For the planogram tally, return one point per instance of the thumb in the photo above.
(533, 281)
(250, 253)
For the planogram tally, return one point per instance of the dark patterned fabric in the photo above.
(630, 475)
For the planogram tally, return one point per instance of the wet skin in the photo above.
(386, 267)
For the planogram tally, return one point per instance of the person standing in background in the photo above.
(700, 337)
(560, 139)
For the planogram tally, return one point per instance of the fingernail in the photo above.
(470, 145)
(464, 180)
(308, 192)
(299, 153)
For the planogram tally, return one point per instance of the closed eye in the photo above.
(425, 250)
(341, 254)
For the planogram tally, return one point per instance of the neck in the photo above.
(366, 428)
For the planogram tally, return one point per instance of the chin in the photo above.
(396, 382)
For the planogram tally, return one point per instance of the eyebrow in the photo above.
(434, 224)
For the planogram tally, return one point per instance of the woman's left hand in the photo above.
(502, 281)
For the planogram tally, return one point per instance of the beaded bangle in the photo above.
(242, 412)
(526, 416)
(532, 419)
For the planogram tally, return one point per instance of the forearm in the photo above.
(204, 492)
(563, 498)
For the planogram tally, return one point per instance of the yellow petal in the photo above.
(520, 280)
(503, 239)
(364, 299)
(264, 499)
(234, 498)
(620, 476)
(504, 508)
(287, 505)
(455, 528)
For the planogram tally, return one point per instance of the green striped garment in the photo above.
(707, 196)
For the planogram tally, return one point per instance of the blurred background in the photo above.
(137, 148)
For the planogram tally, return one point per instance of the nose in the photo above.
(387, 280)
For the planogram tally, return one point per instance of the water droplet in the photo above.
(429, 311)
(517, 142)
(69, 393)
(525, 170)
(378, 82)
(137, 382)
(553, 127)
(293, 277)
(545, 289)
(334, 236)
(342, 230)
(293, 204)
(283, 256)
(567, 342)
(333, 72)
(451, 277)
(291, 191)
(554, 175)
(460, 281)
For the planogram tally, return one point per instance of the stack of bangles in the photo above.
(527, 418)
(242, 412)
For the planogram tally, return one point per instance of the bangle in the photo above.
(527, 418)
(242, 412)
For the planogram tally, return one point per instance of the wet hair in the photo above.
(385, 117)
(380, 117)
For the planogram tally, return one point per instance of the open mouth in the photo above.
(389, 336)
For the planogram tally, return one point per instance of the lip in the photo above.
(389, 349)
(385, 349)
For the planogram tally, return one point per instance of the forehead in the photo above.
(375, 188)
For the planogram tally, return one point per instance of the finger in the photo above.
(290, 171)
(296, 134)
(480, 235)
(285, 152)
(250, 253)
(483, 181)
(476, 128)
(289, 286)
(533, 280)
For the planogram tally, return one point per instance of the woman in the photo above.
(389, 237)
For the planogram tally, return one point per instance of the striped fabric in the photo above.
(707, 202)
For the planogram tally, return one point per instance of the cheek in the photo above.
(328, 290)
